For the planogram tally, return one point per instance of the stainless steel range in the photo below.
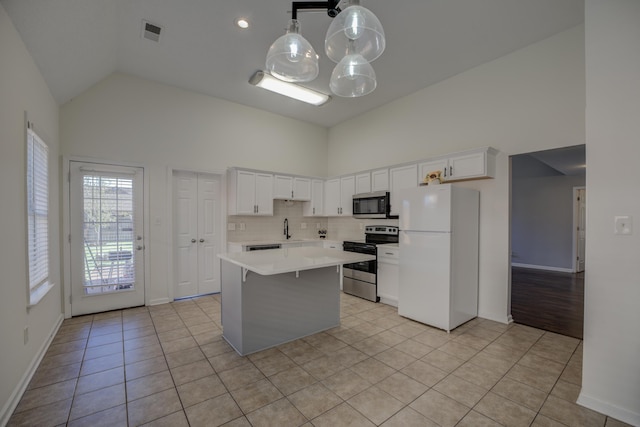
(360, 279)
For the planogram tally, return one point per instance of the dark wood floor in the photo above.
(548, 300)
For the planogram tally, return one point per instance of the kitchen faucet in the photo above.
(286, 229)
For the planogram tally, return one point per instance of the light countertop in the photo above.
(287, 260)
(281, 242)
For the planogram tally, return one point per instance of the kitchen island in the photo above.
(276, 296)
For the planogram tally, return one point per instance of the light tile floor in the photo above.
(168, 365)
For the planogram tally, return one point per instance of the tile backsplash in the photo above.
(271, 228)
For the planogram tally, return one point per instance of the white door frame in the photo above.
(574, 245)
(169, 222)
(66, 226)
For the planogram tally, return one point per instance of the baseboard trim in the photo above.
(608, 409)
(506, 320)
(389, 300)
(509, 319)
(21, 387)
(160, 301)
(542, 267)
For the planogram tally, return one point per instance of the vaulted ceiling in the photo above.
(77, 43)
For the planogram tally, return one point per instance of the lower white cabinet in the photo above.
(388, 274)
(330, 244)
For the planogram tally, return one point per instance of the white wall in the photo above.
(22, 88)
(611, 369)
(530, 100)
(128, 119)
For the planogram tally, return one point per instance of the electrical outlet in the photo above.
(242, 226)
(303, 225)
(231, 226)
(361, 226)
(318, 225)
(26, 335)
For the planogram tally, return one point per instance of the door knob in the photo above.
(193, 240)
(201, 240)
(139, 247)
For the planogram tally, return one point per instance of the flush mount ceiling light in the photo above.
(266, 81)
(354, 39)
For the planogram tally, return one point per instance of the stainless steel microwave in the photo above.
(372, 205)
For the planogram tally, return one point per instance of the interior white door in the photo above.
(185, 190)
(197, 211)
(209, 235)
(107, 237)
(581, 204)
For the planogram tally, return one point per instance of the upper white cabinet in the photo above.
(363, 183)
(315, 207)
(468, 165)
(291, 188)
(380, 180)
(339, 196)
(401, 177)
(250, 193)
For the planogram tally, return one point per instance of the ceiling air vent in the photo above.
(151, 31)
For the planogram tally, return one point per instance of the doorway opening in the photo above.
(547, 291)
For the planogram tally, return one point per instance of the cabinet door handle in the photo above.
(450, 170)
(292, 194)
(445, 171)
(193, 240)
(201, 240)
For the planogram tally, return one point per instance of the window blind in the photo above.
(37, 211)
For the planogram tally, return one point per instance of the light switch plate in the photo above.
(623, 225)
(231, 226)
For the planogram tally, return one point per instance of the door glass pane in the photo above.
(109, 234)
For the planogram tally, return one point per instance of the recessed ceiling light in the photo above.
(242, 23)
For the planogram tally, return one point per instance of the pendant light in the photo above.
(291, 57)
(358, 25)
(354, 39)
(353, 76)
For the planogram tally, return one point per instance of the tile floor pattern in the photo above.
(168, 365)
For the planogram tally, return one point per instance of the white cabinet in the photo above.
(330, 244)
(315, 207)
(388, 274)
(376, 180)
(291, 188)
(380, 180)
(250, 193)
(401, 177)
(339, 196)
(363, 183)
(425, 168)
(467, 165)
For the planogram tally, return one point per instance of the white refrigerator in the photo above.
(438, 255)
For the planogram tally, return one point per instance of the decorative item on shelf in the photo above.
(432, 178)
(354, 39)
(322, 234)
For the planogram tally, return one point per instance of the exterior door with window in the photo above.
(107, 237)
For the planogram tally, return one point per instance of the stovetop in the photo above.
(377, 235)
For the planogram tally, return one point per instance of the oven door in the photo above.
(365, 270)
